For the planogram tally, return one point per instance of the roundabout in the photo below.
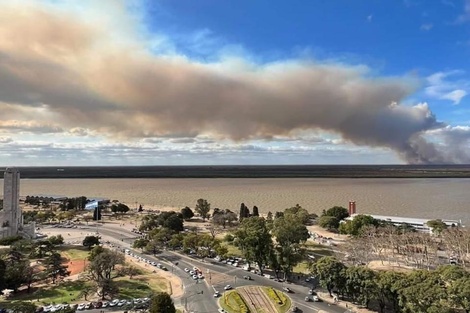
(255, 299)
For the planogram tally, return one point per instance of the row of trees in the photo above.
(444, 290)
(396, 245)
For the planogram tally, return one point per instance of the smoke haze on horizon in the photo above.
(70, 73)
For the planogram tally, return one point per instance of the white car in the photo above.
(228, 287)
(216, 294)
(200, 276)
(114, 303)
(105, 304)
(315, 299)
(194, 277)
(81, 307)
(222, 311)
(192, 273)
(186, 270)
(122, 302)
(47, 308)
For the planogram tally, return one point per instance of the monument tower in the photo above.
(11, 218)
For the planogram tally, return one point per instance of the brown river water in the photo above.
(423, 198)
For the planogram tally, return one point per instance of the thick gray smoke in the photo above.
(74, 75)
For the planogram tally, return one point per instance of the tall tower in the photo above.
(11, 217)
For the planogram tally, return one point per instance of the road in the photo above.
(198, 296)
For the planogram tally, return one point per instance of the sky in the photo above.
(183, 82)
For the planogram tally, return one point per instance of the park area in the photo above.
(75, 288)
(255, 299)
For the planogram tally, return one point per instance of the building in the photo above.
(11, 217)
(419, 224)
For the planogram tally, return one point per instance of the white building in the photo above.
(419, 224)
(11, 217)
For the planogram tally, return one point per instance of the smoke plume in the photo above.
(75, 74)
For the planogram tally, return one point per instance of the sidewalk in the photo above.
(325, 297)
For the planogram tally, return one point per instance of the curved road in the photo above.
(199, 295)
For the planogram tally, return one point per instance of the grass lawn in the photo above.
(285, 306)
(228, 303)
(232, 250)
(301, 268)
(63, 292)
(141, 286)
(74, 253)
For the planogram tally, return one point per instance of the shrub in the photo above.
(8, 241)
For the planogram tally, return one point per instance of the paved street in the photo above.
(199, 295)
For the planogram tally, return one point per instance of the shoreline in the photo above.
(246, 171)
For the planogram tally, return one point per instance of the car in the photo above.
(129, 302)
(114, 303)
(81, 306)
(307, 299)
(222, 311)
(186, 270)
(145, 300)
(38, 310)
(295, 309)
(247, 277)
(194, 277)
(287, 289)
(311, 292)
(121, 303)
(315, 298)
(216, 294)
(164, 268)
(228, 287)
(105, 304)
(88, 306)
(200, 276)
(97, 304)
(47, 308)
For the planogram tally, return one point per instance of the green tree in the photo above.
(54, 267)
(174, 222)
(299, 213)
(90, 241)
(187, 213)
(290, 236)
(337, 211)
(328, 222)
(162, 303)
(437, 226)
(56, 240)
(330, 272)
(17, 269)
(203, 208)
(360, 284)
(100, 270)
(23, 307)
(255, 211)
(140, 243)
(354, 227)
(459, 292)
(388, 283)
(119, 208)
(94, 252)
(254, 240)
(3, 268)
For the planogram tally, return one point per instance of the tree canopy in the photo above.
(203, 208)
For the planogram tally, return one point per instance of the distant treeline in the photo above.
(245, 171)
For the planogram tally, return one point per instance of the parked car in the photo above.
(105, 304)
(247, 277)
(307, 299)
(295, 309)
(121, 303)
(311, 292)
(216, 294)
(114, 303)
(287, 289)
(228, 287)
(315, 298)
(81, 306)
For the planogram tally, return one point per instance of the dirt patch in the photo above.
(257, 300)
(386, 266)
(76, 266)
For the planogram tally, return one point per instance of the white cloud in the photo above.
(369, 18)
(440, 86)
(465, 16)
(426, 27)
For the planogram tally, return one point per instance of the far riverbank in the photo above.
(248, 171)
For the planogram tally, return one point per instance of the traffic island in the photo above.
(255, 299)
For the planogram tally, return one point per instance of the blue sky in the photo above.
(225, 82)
